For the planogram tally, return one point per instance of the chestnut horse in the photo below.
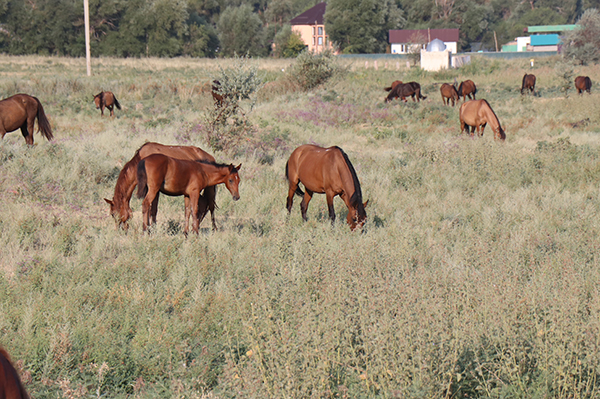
(325, 171)
(20, 111)
(119, 205)
(176, 177)
(449, 93)
(467, 88)
(394, 84)
(528, 83)
(10, 383)
(106, 99)
(477, 114)
(583, 83)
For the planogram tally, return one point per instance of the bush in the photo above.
(312, 69)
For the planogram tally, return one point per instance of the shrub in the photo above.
(313, 69)
(583, 44)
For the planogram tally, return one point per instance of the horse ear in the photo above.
(108, 201)
(239, 167)
(366, 203)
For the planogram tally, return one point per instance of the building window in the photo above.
(320, 40)
(320, 30)
(313, 30)
(314, 40)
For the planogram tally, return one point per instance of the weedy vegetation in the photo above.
(477, 274)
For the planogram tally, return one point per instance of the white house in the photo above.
(403, 40)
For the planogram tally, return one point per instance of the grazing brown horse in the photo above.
(403, 90)
(177, 177)
(119, 205)
(449, 93)
(20, 111)
(219, 98)
(10, 383)
(325, 171)
(528, 83)
(106, 99)
(477, 114)
(583, 83)
(467, 88)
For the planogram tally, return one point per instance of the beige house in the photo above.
(311, 28)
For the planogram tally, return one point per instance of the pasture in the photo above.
(477, 274)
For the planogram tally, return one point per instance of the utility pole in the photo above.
(86, 16)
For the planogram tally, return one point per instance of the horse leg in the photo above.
(304, 204)
(154, 208)
(291, 192)
(27, 131)
(210, 194)
(472, 131)
(102, 110)
(194, 198)
(146, 204)
(110, 108)
(186, 225)
(330, 196)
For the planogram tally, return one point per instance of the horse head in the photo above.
(233, 181)
(357, 216)
(500, 134)
(120, 215)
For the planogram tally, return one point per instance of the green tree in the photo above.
(241, 31)
(582, 45)
(287, 43)
(362, 26)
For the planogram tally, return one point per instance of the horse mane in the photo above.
(494, 113)
(216, 164)
(356, 198)
(523, 84)
(460, 86)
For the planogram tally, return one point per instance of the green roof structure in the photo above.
(550, 28)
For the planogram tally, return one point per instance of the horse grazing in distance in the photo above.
(20, 111)
(160, 173)
(106, 99)
(217, 96)
(404, 90)
(10, 383)
(127, 180)
(394, 84)
(449, 93)
(467, 88)
(528, 83)
(325, 171)
(583, 83)
(477, 114)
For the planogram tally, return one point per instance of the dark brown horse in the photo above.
(119, 205)
(478, 113)
(325, 171)
(449, 93)
(404, 90)
(160, 173)
(467, 88)
(583, 83)
(106, 99)
(20, 111)
(528, 83)
(10, 383)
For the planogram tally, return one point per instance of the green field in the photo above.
(477, 273)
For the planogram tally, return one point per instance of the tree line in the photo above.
(212, 28)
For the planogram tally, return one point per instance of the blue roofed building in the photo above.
(546, 37)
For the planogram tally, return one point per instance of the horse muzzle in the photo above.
(236, 197)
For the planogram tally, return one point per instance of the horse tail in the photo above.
(142, 179)
(523, 84)
(9, 371)
(299, 191)
(460, 87)
(116, 102)
(43, 123)
(588, 83)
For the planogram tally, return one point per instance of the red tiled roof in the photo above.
(312, 16)
(409, 35)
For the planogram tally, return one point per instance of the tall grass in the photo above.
(477, 274)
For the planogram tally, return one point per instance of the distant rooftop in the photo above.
(312, 16)
(549, 28)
